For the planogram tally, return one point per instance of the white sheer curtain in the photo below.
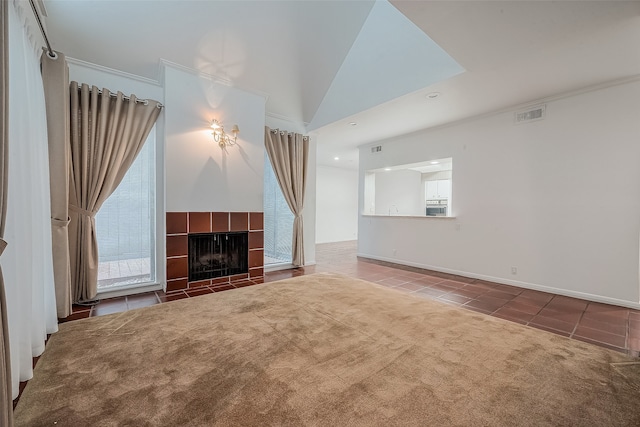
(27, 261)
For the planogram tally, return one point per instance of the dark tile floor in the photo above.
(614, 327)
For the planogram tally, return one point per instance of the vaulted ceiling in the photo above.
(328, 63)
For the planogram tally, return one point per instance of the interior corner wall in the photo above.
(558, 199)
(200, 175)
(336, 204)
(309, 211)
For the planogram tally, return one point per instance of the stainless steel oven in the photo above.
(437, 207)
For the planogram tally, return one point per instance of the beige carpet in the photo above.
(322, 350)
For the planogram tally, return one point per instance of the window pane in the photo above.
(278, 220)
(125, 226)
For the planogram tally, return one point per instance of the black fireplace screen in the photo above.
(217, 255)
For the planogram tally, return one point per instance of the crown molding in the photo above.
(285, 118)
(571, 93)
(512, 108)
(112, 71)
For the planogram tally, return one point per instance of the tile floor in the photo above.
(605, 325)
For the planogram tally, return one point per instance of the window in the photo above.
(125, 226)
(278, 220)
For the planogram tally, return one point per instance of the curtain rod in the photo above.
(128, 98)
(50, 51)
(54, 55)
(283, 132)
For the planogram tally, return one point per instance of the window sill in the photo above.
(276, 267)
(129, 290)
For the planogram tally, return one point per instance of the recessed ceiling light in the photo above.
(387, 169)
(336, 158)
(432, 95)
(352, 123)
(434, 162)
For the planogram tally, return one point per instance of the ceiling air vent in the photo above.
(376, 149)
(531, 114)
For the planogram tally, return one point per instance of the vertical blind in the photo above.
(125, 225)
(278, 220)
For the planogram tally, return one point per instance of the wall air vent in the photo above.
(530, 114)
(376, 149)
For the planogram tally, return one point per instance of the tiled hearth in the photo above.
(181, 224)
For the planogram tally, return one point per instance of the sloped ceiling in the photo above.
(389, 58)
(328, 63)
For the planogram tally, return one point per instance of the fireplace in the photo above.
(181, 226)
(214, 255)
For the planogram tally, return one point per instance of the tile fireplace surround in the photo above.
(181, 224)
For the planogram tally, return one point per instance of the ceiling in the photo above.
(330, 63)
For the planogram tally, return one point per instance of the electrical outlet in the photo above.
(394, 251)
(514, 270)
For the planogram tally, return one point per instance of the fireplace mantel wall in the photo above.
(193, 173)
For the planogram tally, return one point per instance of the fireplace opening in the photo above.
(214, 255)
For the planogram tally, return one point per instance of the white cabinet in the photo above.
(432, 190)
(438, 189)
(444, 188)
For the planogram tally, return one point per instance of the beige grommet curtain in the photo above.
(6, 403)
(288, 153)
(107, 133)
(55, 79)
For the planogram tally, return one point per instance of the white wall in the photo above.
(558, 198)
(336, 204)
(399, 192)
(201, 176)
(369, 190)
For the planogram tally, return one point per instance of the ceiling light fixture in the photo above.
(387, 169)
(352, 123)
(336, 158)
(221, 137)
(434, 162)
(432, 95)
